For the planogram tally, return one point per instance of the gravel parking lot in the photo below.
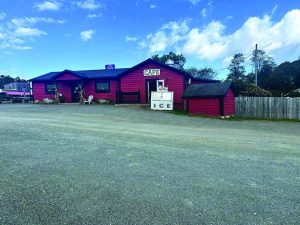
(101, 164)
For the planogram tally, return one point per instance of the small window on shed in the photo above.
(50, 88)
(102, 86)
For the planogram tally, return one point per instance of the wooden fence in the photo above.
(268, 107)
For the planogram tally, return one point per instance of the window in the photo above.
(102, 86)
(50, 88)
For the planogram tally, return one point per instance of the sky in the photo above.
(38, 36)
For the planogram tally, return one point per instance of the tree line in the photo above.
(272, 80)
(7, 79)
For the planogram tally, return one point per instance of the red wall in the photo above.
(204, 106)
(65, 88)
(38, 89)
(229, 103)
(68, 76)
(89, 87)
(210, 106)
(134, 81)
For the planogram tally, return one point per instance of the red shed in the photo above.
(214, 99)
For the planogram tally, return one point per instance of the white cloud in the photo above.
(89, 4)
(274, 10)
(212, 43)
(206, 43)
(142, 44)
(152, 6)
(131, 39)
(204, 12)
(2, 16)
(229, 18)
(2, 36)
(194, 2)
(169, 35)
(48, 5)
(87, 35)
(28, 32)
(93, 16)
(28, 21)
(207, 11)
(16, 47)
(17, 33)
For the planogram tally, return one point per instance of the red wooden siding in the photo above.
(204, 106)
(211, 106)
(89, 89)
(38, 89)
(229, 103)
(68, 76)
(134, 81)
(65, 88)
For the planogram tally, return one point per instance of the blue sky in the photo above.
(40, 36)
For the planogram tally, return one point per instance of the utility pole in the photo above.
(255, 56)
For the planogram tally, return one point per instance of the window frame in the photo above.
(47, 90)
(102, 81)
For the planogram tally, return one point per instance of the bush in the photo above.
(103, 101)
(47, 101)
(246, 89)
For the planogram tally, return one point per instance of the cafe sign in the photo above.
(151, 72)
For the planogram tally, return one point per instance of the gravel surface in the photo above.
(101, 164)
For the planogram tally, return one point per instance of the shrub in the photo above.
(47, 101)
(103, 101)
(246, 89)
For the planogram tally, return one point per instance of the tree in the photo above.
(236, 68)
(265, 66)
(177, 59)
(204, 73)
(6, 79)
(284, 78)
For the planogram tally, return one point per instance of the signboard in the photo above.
(162, 100)
(110, 67)
(151, 72)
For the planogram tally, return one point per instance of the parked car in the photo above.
(4, 97)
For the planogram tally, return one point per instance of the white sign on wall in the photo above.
(151, 72)
(162, 100)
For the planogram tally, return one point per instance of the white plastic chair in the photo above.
(89, 100)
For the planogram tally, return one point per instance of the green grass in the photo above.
(233, 118)
(100, 164)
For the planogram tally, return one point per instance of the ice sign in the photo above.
(152, 72)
